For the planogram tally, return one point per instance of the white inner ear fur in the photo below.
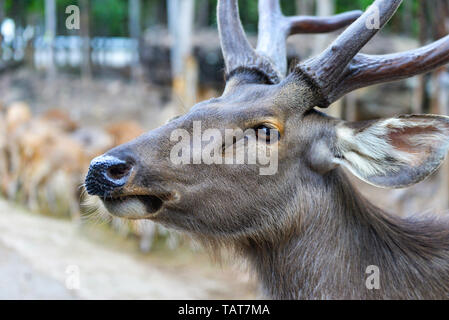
(370, 152)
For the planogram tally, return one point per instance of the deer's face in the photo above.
(185, 174)
(145, 179)
(168, 175)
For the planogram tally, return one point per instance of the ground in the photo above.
(46, 258)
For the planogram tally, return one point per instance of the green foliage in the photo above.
(35, 6)
(109, 17)
(345, 5)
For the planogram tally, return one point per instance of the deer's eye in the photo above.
(267, 133)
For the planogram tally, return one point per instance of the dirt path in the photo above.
(19, 280)
(45, 258)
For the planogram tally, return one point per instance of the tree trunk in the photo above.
(325, 7)
(407, 17)
(152, 13)
(50, 34)
(202, 21)
(184, 66)
(86, 67)
(134, 31)
(304, 7)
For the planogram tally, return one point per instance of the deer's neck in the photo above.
(327, 256)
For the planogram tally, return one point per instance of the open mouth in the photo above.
(134, 206)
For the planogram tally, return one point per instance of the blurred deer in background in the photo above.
(16, 115)
(306, 232)
(43, 160)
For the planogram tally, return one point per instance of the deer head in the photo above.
(140, 180)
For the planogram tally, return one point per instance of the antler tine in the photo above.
(274, 28)
(365, 70)
(312, 24)
(237, 51)
(234, 44)
(272, 34)
(328, 68)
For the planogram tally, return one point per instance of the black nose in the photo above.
(107, 173)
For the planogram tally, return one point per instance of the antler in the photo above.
(270, 57)
(237, 51)
(365, 70)
(274, 29)
(341, 69)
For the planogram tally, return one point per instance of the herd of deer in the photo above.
(305, 231)
(43, 159)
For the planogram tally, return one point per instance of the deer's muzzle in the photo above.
(106, 174)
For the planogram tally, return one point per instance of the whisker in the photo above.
(92, 210)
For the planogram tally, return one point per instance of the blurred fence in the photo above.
(112, 52)
(19, 44)
(29, 45)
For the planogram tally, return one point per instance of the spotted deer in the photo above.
(305, 231)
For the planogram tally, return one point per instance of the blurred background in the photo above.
(79, 77)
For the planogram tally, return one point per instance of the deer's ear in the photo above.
(395, 152)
